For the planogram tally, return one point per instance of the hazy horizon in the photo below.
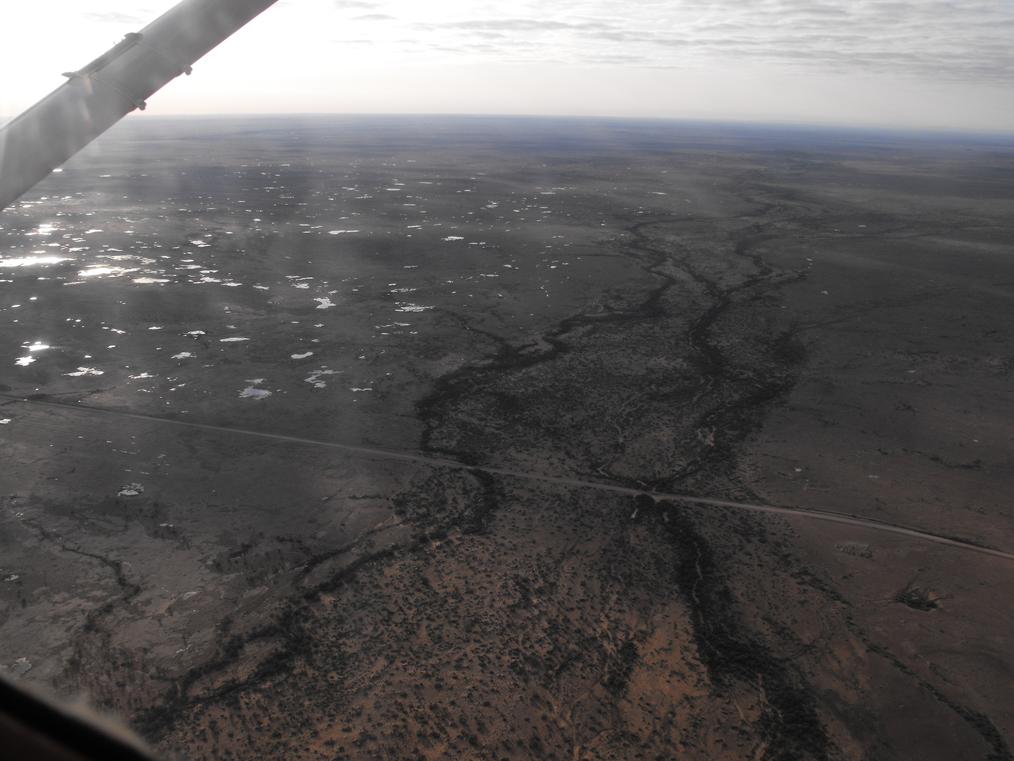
(135, 118)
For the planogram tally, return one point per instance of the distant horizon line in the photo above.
(825, 126)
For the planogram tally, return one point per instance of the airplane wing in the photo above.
(34, 727)
(98, 95)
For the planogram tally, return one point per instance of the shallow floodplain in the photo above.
(194, 313)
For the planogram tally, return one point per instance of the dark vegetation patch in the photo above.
(917, 598)
(728, 649)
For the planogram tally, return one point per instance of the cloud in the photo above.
(357, 5)
(941, 40)
(118, 17)
(523, 25)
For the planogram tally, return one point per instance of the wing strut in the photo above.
(98, 95)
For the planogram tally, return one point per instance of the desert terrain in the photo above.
(349, 438)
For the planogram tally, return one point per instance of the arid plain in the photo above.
(357, 439)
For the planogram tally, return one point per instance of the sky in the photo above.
(929, 64)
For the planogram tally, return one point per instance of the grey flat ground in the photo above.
(815, 320)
